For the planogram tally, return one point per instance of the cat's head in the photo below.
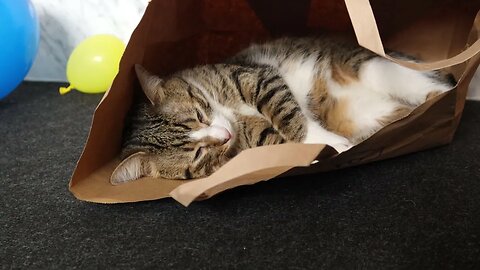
(179, 133)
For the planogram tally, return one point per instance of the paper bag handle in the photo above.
(245, 169)
(368, 36)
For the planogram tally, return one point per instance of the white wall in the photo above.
(65, 23)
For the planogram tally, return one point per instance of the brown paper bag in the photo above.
(176, 34)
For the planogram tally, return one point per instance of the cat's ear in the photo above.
(131, 168)
(151, 84)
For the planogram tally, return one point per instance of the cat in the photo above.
(307, 90)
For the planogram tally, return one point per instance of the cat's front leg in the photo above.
(256, 131)
(275, 101)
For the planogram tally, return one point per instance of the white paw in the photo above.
(342, 147)
(318, 135)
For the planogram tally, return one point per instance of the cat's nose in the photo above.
(227, 137)
(221, 133)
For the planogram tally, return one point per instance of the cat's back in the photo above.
(323, 50)
(305, 62)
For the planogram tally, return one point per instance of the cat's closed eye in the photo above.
(198, 153)
(200, 117)
(189, 120)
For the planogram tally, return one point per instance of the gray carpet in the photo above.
(420, 211)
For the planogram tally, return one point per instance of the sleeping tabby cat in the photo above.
(308, 90)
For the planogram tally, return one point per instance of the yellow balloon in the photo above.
(93, 64)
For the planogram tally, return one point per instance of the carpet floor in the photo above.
(420, 211)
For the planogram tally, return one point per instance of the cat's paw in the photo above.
(342, 147)
(319, 135)
(340, 144)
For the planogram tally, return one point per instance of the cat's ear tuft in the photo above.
(152, 85)
(131, 168)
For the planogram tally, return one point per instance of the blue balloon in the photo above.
(19, 38)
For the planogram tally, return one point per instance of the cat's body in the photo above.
(308, 90)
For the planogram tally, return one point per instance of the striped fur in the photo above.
(310, 90)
